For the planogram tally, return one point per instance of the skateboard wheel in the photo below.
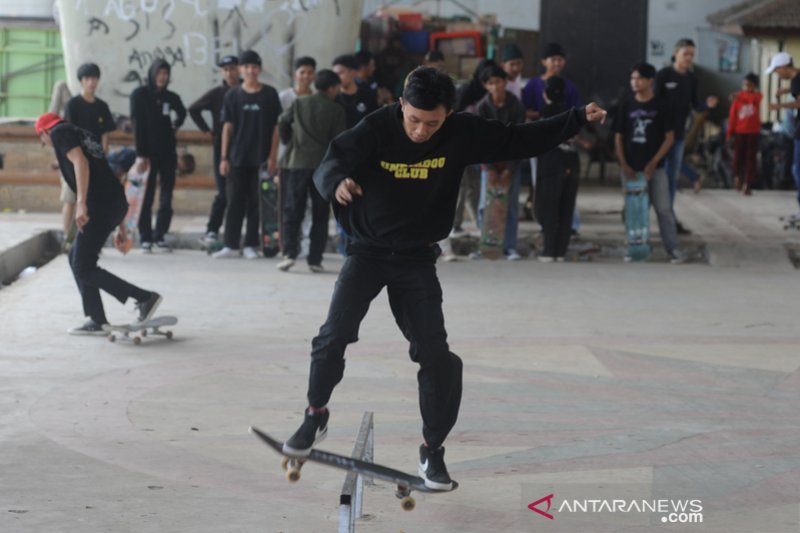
(144, 333)
(293, 474)
(408, 503)
(168, 334)
(112, 338)
(137, 340)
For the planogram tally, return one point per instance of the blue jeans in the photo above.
(672, 165)
(796, 167)
(512, 214)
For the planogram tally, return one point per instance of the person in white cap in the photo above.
(783, 65)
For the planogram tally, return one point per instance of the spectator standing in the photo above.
(782, 64)
(249, 139)
(744, 127)
(211, 102)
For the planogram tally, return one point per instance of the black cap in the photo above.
(250, 57)
(88, 70)
(228, 60)
(510, 52)
(553, 49)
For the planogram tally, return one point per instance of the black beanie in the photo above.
(553, 49)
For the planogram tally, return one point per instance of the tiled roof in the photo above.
(754, 15)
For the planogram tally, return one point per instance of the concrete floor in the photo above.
(588, 381)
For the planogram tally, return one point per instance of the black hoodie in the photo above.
(151, 113)
(410, 189)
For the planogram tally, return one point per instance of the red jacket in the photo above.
(744, 116)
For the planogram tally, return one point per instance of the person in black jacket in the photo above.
(393, 180)
(152, 109)
(212, 102)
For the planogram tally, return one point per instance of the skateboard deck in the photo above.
(406, 483)
(138, 330)
(135, 186)
(494, 217)
(269, 212)
(637, 218)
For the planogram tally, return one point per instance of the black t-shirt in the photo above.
(679, 91)
(794, 89)
(105, 193)
(254, 116)
(91, 116)
(357, 105)
(643, 126)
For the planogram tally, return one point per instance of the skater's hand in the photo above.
(224, 167)
(81, 215)
(121, 240)
(142, 165)
(774, 107)
(595, 113)
(712, 102)
(629, 172)
(345, 191)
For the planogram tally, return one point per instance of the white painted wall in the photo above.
(123, 37)
(26, 8)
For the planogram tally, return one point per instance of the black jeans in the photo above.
(241, 189)
(415, 298)
(296, 186)
(556, 192)
(164, 168)
(91, 279)
(217, 214)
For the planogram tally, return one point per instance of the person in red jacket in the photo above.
(744, 125)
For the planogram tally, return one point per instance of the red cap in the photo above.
(46, 121)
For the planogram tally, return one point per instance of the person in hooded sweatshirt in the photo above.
(157, 113)
(744, 127)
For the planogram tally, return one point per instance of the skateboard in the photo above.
(211, 247)
(269, 212)
(406, 483)
(494, 217)
(135, 186)
(637, 218)
(140, 330)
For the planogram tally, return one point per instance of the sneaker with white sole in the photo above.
(90, 328)
(210, 238)
(147, 308)
(545, 259)
(147, 247)
(226, 253)
(285, 264)
(316, 269)
(312, 431)
(677, 257)
(512, 255)
(250, 252)
(433, 470)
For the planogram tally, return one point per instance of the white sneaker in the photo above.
(316, 269)
(285, 264)
(225, 253)
(475, 255)
(545, 259)
(250, 252)
(512, 255)
(677, 257)
(210, 238)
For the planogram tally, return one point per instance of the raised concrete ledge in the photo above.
(35, 250)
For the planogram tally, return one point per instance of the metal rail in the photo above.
(351, 499)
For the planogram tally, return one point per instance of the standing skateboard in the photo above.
(140, 330)
(405, 482)
(135, 187)
(495, 211)
(269, 212)
(637, 218)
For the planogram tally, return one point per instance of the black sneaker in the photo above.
(682, 230)
(90, 328)
(148, 307)
(433, 470)
(313, 430)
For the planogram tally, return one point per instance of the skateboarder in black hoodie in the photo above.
(152, 108)
(393, 180)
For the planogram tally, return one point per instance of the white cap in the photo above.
(781, 59)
